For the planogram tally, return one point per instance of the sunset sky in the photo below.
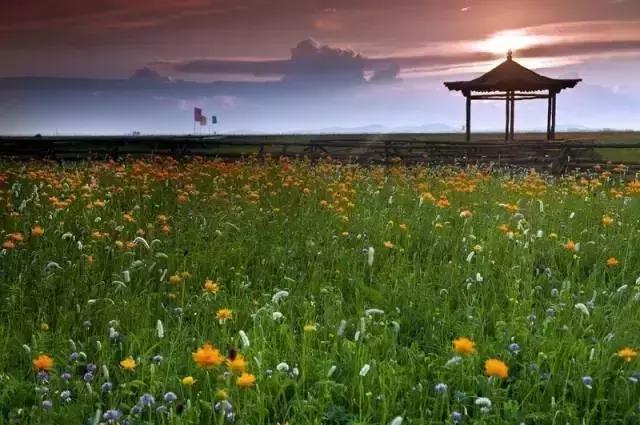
(372, 62)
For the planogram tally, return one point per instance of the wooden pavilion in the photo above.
(511, 81)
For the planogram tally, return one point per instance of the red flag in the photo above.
(197, 114)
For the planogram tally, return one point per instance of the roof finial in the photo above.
(509, 55)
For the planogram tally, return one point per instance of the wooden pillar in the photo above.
(553, 117)
(468, 122)
(549, 116)
(506, 119)
(513, 114)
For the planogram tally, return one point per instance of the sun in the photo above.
(503, 41)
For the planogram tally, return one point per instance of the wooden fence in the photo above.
(557, 156)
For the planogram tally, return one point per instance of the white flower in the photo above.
(540, 234)
(138, 240)
(280, 295)
(365, 369)
(583, 308)
(370, 254)
(331, 371)
(470, 256)
(396, 421)
(479, 278)
(244, 338)
(276, 316)
(372, 311)
(159, 329)
(282, 367)
(483, 401)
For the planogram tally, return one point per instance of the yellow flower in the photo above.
(128, 364)
(464, 345)
(388, 244)
(210, 287)
(224, 314)
(612, 262)
(43, 362)
(188, 381)
(238, 364)
(246, 380)
(207, 356)
(495, 367)
(627, 354)
(222, 395)
(403, 227)
(606, 220)
(175, 280)
(570, 246)
(310, 327)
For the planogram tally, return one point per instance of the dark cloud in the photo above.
(311, 61)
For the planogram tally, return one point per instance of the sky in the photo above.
(116, 66)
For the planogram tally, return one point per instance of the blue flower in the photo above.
(74, 356)
(43, 375)
(441, 388)
(170, 397)
(65, 376)
(112, 416)
(91, 367)
(157, 358)
(88, 377)
(147, 400)
(587, 381)
(456, 417)
(514, 348)
(106, 387)
(47, 404)
(65, 396)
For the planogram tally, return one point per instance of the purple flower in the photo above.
(65, 376)
(157, 358)
(456, 417)
(441, 388)
(147, 400)
(106, 387)
(514, 348)
(112, 416)
(47, 404)
(170, 397)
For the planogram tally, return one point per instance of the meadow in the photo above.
(289, 292)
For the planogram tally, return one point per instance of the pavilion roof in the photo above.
(511, 76)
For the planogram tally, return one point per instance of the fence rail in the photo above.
(556, 156)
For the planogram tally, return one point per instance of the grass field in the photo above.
(203, 292)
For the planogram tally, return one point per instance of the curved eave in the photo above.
(554, 85)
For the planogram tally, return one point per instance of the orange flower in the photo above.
(8, 245)
(466, 214)
(389, 245)
(570, 246)
(175, 280)
(43, 362)
(464, 345)
(224, 314)
(210, 286)
(16, 237)
(612, 262)
(495, 367)
(443, 202)
(607, 221)
(37, 231)
(246, 380)
(627, 354)
(238, 364)
(503, 228)
(207, 356)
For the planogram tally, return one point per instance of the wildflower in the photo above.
(224, 314)
(388, 245)
(403, 227)
(612, 262)
(282, 367)
(495, 367)
(483, 402)
(244, 339)
(210, 287)
(37, 231)
(453, 361)
(570, 246)
(365, 369)
(112, 416)
(464, 345)
(188, 381)
(310, 327)
(504, 228)
(466, 214)
(175, 280)
(627, 354)
(456, 417)
(65, 376)
(47, 404)
(441, 388)
(43, 362)
(106, 387)
(587, 381)
(238, 364)
(276, 316)
(8, 245)
(65, 396)
(370, 254)
(170, 397)
(396, 421)
(128, 364)
(246, 380)
(514, 347)
(607, 221)
(159, 329)
(147, 400)
(207, 356)
(157, 359)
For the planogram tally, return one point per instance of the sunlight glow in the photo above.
(502, 41)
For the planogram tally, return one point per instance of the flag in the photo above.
(203, 120)
(214, 119)
(197, 114)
